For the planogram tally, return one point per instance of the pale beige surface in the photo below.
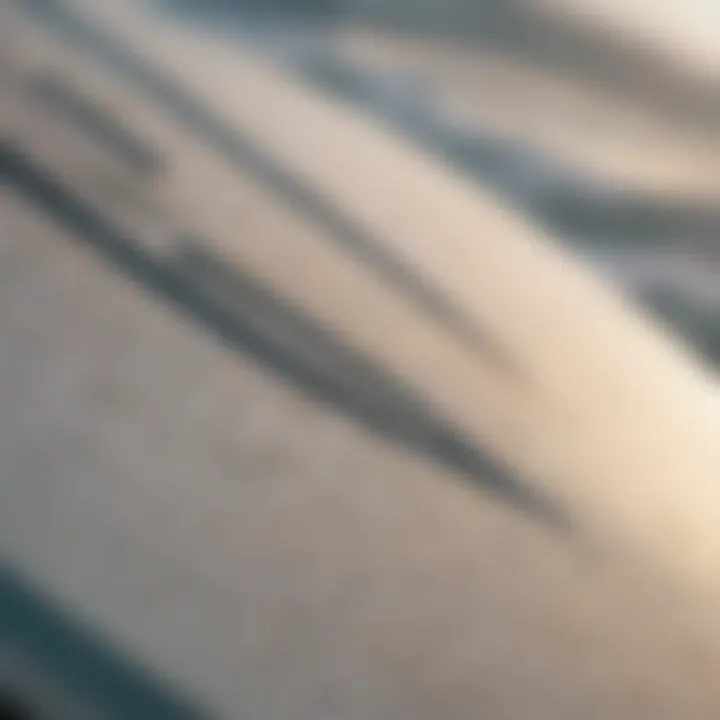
(276, 562)
(280, 562)
(580, 429)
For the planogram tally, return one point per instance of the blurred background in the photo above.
(594, 121)
(598, 120)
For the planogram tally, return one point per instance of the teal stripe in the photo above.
(65, 653)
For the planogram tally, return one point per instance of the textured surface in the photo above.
(211, 508)
(275, 561)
